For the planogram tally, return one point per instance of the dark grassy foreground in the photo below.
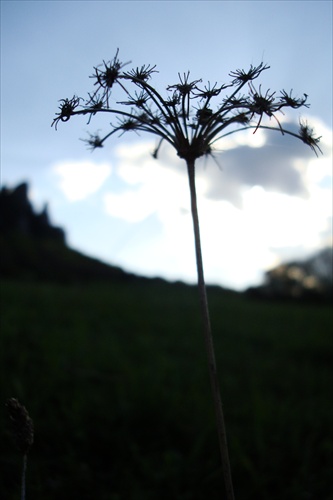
(115, 379)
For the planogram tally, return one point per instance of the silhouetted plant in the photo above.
(192, 131)
(23, 433)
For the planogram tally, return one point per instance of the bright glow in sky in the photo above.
(265, 199)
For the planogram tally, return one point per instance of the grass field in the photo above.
(115, 379)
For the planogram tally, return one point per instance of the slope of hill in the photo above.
(31, 248)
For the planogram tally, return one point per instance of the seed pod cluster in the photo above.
(21, 424)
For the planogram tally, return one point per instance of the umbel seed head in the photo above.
(22, 425)
(191, 130)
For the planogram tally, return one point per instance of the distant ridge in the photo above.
(32, 249)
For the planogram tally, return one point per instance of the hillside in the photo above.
(114, 375)
(115, 379)
(32, 248)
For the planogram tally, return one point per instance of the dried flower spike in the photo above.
(22, 425)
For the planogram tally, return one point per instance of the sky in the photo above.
(265, 199)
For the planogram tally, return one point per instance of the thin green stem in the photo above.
(209, 338)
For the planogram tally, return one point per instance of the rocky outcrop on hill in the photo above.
(18, 217)
(32, 249)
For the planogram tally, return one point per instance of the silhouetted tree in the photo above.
(192, 131)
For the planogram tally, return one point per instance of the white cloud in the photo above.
(153, 187)
(285, 206)
(80, 179)
(242, 138)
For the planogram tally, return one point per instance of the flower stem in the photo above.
(23, 482)
(209, 338)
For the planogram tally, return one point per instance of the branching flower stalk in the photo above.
(192, 130)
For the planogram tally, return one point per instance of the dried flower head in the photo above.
(184, 87)
(106, 77)
(139, 100)
(22, 425)
(190, 130)
(203, 115)
(142, 74)
(307, 135)
(127, 124)
(209, 92)
(66, 107)
(263, 105)
(240, 76)
(93, 105)
(293, 102)
(94, 141)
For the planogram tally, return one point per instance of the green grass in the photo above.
(115, 379)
